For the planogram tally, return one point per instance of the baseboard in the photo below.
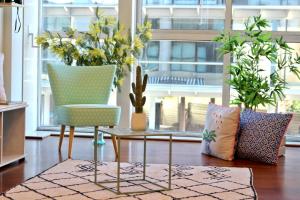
(39, 135)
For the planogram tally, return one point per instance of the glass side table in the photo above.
(128, 133)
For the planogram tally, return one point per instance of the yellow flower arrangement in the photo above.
(106, 42)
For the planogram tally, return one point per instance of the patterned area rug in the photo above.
(73, 180)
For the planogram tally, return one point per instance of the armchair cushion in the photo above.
(88, 115)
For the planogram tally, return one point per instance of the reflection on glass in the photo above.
(103, 2)
(266, 2)
(198, 57)
(186, 15)
(47, 117)
(57, 23)
(57, 15)
(282, 15)
(291, 102)
(178, 113)
(82, 23)
(183, 78)
(293, 81)
(184, 2)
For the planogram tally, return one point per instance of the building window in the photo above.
(282, 15)
(186, 15)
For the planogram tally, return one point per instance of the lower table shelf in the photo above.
(10, 159)
(12, 133)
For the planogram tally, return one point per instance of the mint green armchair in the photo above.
(80, 96)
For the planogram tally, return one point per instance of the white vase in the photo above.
(138, 121)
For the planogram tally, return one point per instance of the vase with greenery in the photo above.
(254, 84)
(208, 137)
(107, 42)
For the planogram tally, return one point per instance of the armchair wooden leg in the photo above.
(61, 136)
(114, 141)
(71, 137)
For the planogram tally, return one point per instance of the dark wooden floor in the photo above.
(280, 182)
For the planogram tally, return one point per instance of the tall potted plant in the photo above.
(254, 84)
(106, 42)
(138, 118)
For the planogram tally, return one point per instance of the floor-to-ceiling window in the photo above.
(185, 70)
(56, 16)
(186, 73)
(284, 20)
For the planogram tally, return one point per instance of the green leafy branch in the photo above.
(248, 77)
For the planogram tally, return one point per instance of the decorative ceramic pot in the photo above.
(138, 121)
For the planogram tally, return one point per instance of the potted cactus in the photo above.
(138, 118)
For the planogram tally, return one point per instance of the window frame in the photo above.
(132, 15)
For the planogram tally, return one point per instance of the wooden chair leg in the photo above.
(61, 136)
(71, 137)
(114, 141)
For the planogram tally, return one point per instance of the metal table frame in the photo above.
(118, 179)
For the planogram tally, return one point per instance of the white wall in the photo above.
(30, 70)
(21, 60)
(12, 49)
(13, 55)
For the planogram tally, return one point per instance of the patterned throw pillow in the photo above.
(223, 122)
(261, 134)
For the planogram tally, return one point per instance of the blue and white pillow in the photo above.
(260, 135)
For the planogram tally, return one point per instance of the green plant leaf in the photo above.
(253, 85)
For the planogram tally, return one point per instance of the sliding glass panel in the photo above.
(57, 23)
(282, 15)
(57, 15)
(291, 102)
(185, 15)
(183, 78)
